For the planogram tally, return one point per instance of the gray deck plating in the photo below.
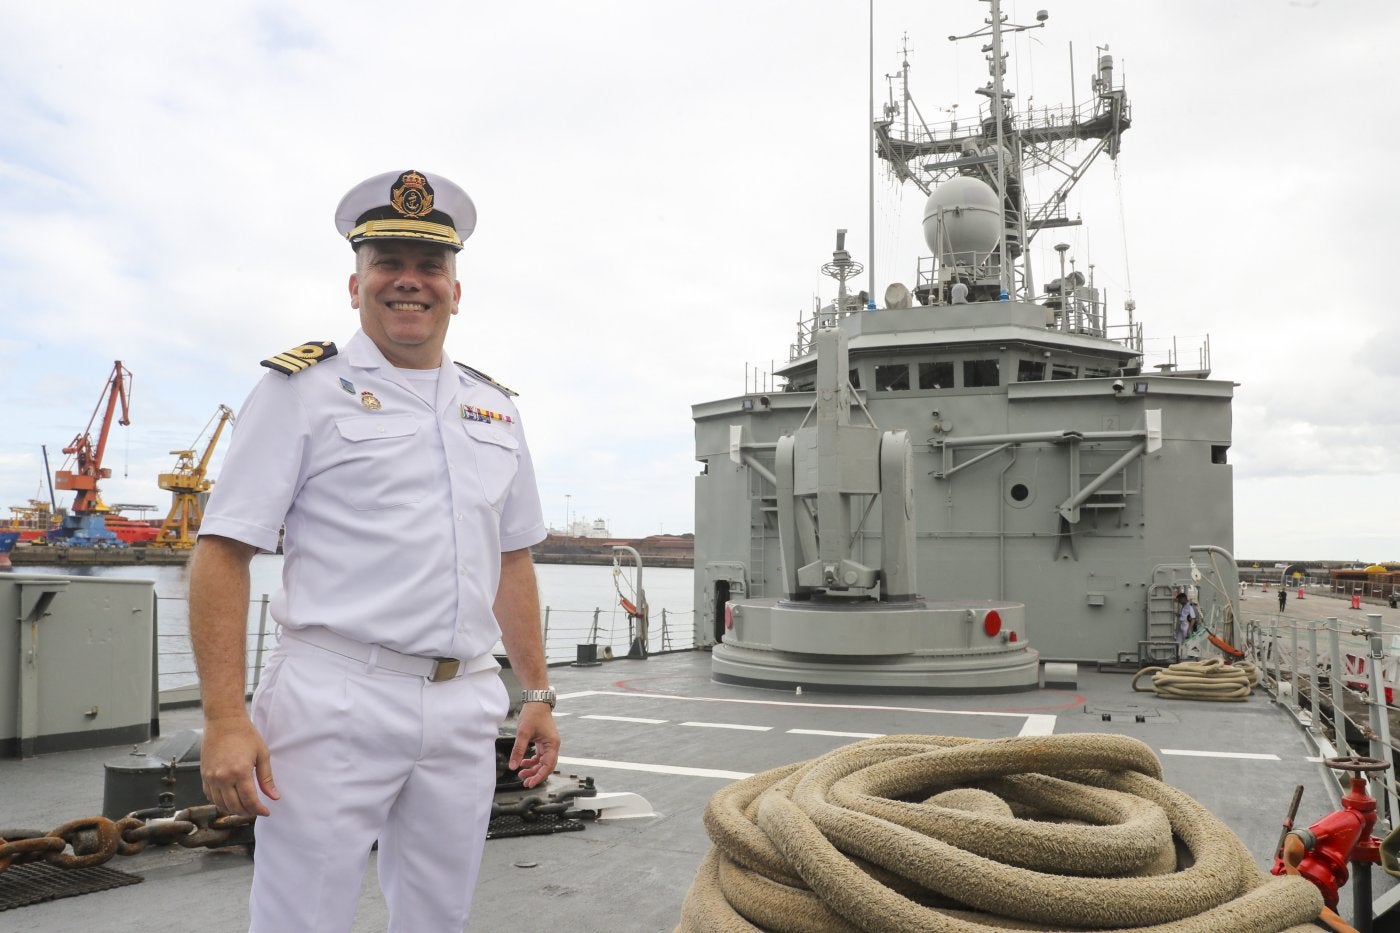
(662, 729)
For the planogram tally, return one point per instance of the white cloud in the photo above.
(658, 186)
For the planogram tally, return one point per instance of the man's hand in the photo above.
(536, 724)
(233, 754)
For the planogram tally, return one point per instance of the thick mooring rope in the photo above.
(1201, 680)
(949, 835)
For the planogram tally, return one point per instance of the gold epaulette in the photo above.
(478, 374)
(300, 358)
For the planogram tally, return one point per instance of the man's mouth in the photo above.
(407, 306)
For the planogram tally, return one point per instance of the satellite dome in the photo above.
(971, 219)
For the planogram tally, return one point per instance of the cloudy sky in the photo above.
(658, 185)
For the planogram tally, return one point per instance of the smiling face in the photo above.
(406, 293)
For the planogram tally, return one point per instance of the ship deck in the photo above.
(662, 729)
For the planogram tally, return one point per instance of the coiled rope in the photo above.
(950, 835)
(1212, 679)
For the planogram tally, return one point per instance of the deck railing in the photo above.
(1339, 678)
(564, 630)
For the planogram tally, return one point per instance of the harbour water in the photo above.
(580, 604)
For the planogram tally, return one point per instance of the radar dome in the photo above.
(971, 220)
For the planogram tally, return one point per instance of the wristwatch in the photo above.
(538, 696)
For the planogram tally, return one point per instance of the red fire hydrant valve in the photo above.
(1321, 852)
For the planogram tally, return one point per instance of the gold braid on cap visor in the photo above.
(407, 229)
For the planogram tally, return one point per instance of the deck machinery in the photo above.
(962, 482)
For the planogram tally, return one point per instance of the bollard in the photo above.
(1300, 592)
(1355, 601)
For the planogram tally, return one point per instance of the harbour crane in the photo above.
(85, 523)
(188, 482)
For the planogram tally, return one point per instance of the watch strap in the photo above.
(538, 696)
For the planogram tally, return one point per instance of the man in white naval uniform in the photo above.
(408, 497)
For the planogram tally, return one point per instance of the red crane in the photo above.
(88, 458)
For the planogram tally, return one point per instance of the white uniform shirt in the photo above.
(396, 516)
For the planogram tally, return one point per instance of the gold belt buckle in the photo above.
(444, 669)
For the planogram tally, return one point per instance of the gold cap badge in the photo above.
(413, 196)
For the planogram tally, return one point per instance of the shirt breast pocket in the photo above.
(496, 464)
(382, 463)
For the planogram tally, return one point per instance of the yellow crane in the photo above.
(187, 482)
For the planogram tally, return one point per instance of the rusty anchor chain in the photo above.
(96, 839)
(92, 841)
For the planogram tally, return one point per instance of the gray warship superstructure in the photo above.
(976, 475)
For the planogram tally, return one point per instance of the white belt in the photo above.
(434, 669)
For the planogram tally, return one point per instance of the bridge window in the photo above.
(936, 375)
(1030, 371)
(1064, 371)
(981, 373)
(855, 378)
(891, 377)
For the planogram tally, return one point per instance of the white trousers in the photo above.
(359, 754)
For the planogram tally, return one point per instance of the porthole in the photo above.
(1019, 495)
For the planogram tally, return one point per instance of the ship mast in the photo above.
(1002, 147)
(996, 61)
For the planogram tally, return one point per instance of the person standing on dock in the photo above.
(1282, 597)
(409, 501)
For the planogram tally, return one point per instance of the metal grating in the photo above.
(508, 825)
(36, 882)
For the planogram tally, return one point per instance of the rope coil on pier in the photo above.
(951, 835)
(1201, 680)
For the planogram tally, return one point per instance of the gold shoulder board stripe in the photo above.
(301, 358)
(478, 374)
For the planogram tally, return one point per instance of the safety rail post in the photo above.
(1293, 702)
(593, 632)
(1380, 718)
(262, 640)
(1338, 678)
(545, 636)
(1314, 669)
(1276, 651)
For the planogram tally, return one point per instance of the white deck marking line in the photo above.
(650, 722)
(728, 725)
(655, 769)
(1038, 724)
(839, 735)
(1035, 723)
(1189, 753)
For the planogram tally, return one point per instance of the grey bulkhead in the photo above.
(1096, 578)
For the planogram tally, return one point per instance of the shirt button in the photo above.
(459, 516)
